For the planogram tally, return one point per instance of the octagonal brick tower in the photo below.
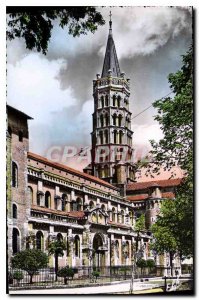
(112, 135)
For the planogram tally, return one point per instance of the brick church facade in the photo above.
(93, 211)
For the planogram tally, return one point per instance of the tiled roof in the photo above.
(68, 169)
(118, 224)
(137, 197)
(145, 185)
(169, 195)
(72, 214)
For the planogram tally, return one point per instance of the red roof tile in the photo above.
(168, 195)
(137, 197)
(118, 224)
(145, 185)
(73, 214)
(68, 169)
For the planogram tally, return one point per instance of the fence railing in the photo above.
(84, 275)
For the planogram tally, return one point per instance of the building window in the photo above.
(106, 171)
(47, 199)
(77, 246)
(101, 121)
(101, 137)
(15, 241)
(20, 136)
(30, 195)
(102, 101)
(38, 199)
(14, 211)
(79, 204)
(39, 240)
(14, 175)
(115, 137)
(120, 120)
(91, 205)
(59, 237)
(113, 215)
(122, 216)
(120, 137)
(64, 200)
(106, 100)
(114, 100)
(114, 119)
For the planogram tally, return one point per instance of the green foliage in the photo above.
(66, 273)
(57, 247)
(36, 26)
(30, 260)
(176, 119)
(150, 263)
(174, 228)
(140, 223)
(141, 263)
(18, 275)
(95, 274)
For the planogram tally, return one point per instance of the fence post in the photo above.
(165, 284)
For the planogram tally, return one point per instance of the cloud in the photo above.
(56, 89)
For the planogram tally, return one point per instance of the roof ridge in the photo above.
(56, 164)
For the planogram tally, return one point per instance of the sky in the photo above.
(56, 89)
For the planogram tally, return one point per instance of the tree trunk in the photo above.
(31, 276)
(171, 262)
(56, 266)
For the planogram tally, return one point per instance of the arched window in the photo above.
(113, 215)
(122, 216)
(30, 195)
(101, 121)
(102, 101)
(106, 120)
(120, 120)
(14, 211)
(15, 241)
(118, 101)
(77, 246)
(59, 237)
(39, 240)
(120, 137)
(106, 171)
(106, 100)
(79, 204)
(114, 119)
(103, 208)
(64, 200)
(115, 136)
(106, 136)
(91, 204)
(101, 137)
(131, 217)
(38, 199)
(20, 136)
(47, 199)
(114, 100)
(14, 175)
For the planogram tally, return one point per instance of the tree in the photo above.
(56, 248)
(175, 115)
(139, 226)
(141, 263)
(66, 273)
(150, 263)
(30, 260)
(164, 241)
(35, 25)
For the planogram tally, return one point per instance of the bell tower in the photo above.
(111, 151)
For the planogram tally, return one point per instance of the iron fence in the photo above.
(84, 276)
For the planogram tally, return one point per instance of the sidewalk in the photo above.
(106, 289)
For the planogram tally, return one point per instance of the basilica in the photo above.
(94, 212)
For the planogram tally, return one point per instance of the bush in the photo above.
(141, 263)
(150, 263)
(95, 274)
(66, 273)
(18, 275)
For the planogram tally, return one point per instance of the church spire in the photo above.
(110, 59)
